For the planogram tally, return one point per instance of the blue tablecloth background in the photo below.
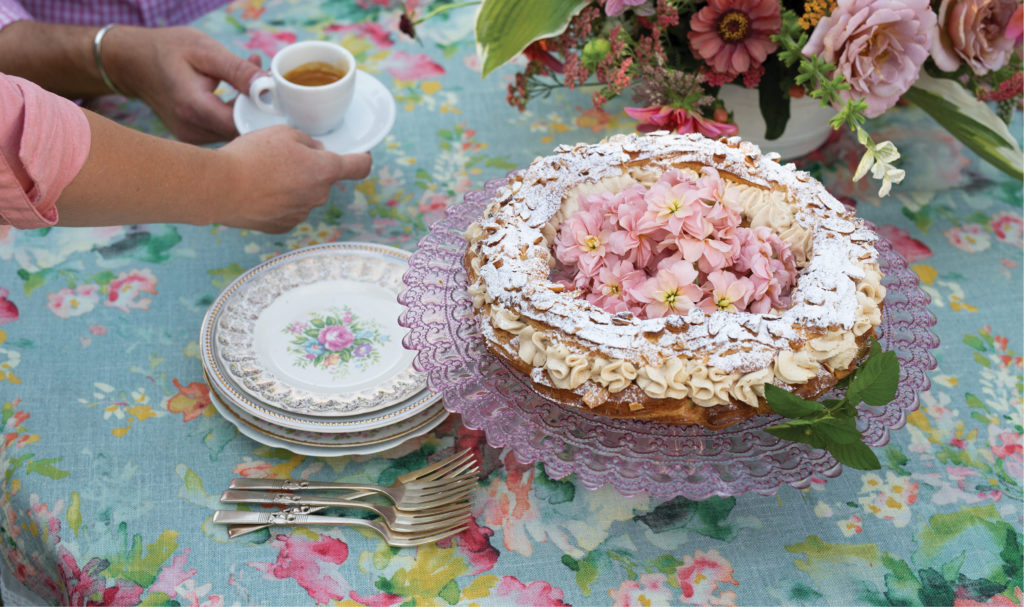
(113, 457)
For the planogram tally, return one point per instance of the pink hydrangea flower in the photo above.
(670, 291)
(599, 204)
(654, 251)
(725, 291)
(680, 120)
(582, 242)
(637, 236)
(973, 32)
(668, 205)
(878, 46)
(614, 285)
(734, 36)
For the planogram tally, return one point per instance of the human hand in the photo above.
(278, 175)
(175, 70)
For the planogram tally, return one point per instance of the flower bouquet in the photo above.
(959, 60)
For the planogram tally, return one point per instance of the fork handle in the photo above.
(229, 517)
(277, 484)
(238, 529)
(291, 499)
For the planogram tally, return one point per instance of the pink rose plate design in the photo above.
(632, 456)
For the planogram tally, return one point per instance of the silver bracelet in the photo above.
(96, 42)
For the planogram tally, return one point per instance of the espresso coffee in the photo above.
(315, 73)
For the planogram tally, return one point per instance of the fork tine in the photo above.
(434, 487)
(407, 541)
(437, 502)
(435, 469)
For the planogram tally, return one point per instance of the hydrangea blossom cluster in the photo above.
(674, 246)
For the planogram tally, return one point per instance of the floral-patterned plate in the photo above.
(315, 332)
(343, 444)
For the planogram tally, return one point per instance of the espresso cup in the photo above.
(316, 109)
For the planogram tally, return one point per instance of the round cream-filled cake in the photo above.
(670, 277)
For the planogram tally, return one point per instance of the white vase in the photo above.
(805, 132)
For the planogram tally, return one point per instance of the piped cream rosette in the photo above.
(665, 368)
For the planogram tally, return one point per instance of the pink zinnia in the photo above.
(734, 36)
(682, 121)
(671, 291)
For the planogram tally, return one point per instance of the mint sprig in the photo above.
(832, 424)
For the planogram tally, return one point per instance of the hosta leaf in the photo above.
(505, 27)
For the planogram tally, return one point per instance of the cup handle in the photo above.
(259, 86)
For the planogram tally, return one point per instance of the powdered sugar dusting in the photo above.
(515, 256)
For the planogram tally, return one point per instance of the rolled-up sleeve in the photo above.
(44, 141)
(11, 11)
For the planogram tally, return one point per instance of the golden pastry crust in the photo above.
(706, 369)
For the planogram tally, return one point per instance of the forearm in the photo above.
(57, 57)
(130, 177)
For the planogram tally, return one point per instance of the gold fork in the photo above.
(397, 520)
(434, 485)
(414, 536)
(459, 469)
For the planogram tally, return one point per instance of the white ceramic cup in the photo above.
(314, 109)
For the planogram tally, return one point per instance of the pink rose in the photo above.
(973, 31)
(335, 337)
(877, 45)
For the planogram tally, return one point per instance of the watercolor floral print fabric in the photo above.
(114, 458)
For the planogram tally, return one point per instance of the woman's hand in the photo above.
(280, 174)
(175, 70)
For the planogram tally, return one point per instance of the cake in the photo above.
(739, 271)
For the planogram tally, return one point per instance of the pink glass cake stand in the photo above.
(632, 456)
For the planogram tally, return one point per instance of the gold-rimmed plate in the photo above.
(314, 333)
(330, 445)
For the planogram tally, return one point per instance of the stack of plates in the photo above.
(304, 352)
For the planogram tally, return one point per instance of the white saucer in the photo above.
(369, 119)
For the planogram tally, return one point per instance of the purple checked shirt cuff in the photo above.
(11, 12)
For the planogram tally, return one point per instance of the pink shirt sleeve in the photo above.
(44, 141)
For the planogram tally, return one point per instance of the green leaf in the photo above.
(855, 455)
(798, 431)
(33, 280)
(788, 404)
(450, 592)
(975, 342)
(505, 27)
(973, 401)
(841, 430)
(971, 121)
(875, 381)
(74, 514)
(46, 468)
(774, 102)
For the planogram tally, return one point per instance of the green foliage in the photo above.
(832, 425)
(773, 99)
(706, 517)
(969, 120)
(129, 562)
(505, 27)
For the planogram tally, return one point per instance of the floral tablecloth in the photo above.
(113, 457)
